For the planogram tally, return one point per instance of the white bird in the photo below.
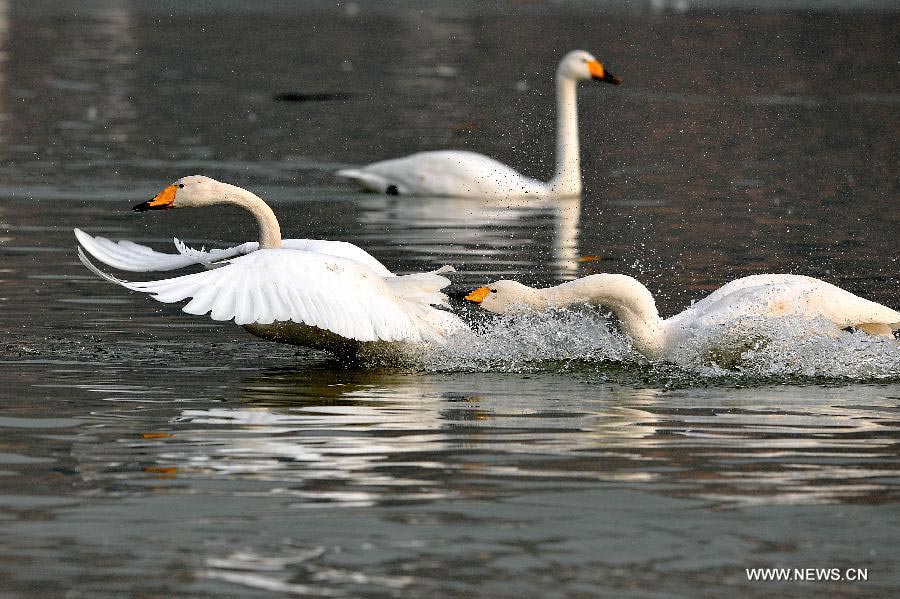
(455, 173)
(766, 296)
(327, 295)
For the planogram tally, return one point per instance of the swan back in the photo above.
(778, 295)
(445, 173)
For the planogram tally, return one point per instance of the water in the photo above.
(145, 452)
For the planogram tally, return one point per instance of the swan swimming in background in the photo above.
(768, 296)
(323, 294)
(457, 173)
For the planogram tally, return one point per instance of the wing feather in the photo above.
(205, 296)
(332, 293)
(281, 303)
(130, 256)
(134, 257)
(224, 307)
(243, 308)
(208, 257)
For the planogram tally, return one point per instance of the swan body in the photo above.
(766, 296)
(322, 294)
(454, 173)
(446, 173)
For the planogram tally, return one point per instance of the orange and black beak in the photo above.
(598, 73)
(478, 295)
(164, 200)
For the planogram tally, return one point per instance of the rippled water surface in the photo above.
(149, 453)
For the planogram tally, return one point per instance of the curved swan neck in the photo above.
(567, 179)
(269, 231)
(629, 300)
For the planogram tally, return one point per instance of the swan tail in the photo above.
(421, 288)
(435, 325)
(130, 256)
(420, 292)
(365, 180)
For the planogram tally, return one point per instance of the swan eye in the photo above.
(492, 290)
(180, 185)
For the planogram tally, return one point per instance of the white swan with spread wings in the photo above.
(324, 294)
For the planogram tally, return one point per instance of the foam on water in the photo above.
(531, 342)
(812, 349)
(758, 350)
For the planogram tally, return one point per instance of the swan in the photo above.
(327, 295)
(457, 173)
(767, 295)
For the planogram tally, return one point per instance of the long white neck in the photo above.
(629, 300)
(567, 179)
(269, 231)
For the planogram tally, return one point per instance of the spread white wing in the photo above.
(134, 257)
(127, 255)
(328, 292)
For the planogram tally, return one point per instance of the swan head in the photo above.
(502, 297)
(187, 192)
(579, 64)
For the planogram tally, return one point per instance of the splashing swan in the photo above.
(767, 296)
(327, 295)
(455, 173)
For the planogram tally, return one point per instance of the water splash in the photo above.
(813, 349)
(758, 350)
(531, 342)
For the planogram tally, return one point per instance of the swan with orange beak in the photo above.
(329, 295)
(731, 307)
(455, 173)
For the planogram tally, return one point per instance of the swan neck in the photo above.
(629, 300)
(269, 230)
(567, 179)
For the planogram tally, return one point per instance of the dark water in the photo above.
(149, 453)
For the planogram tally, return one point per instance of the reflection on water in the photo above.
(491, 237)
(367, 438)
(4, 88)
(432, 467)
